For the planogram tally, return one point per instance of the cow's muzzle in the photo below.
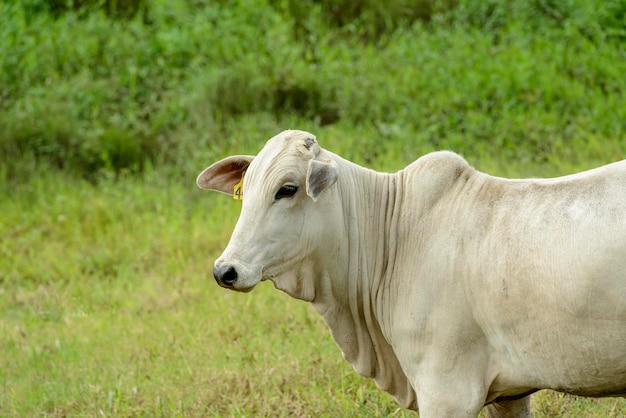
(225, 276)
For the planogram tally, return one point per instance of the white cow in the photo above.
(451, 288)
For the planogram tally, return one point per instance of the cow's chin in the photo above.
(242, 289)
(244, 286)
(239, 288)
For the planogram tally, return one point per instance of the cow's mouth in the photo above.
(234, 287)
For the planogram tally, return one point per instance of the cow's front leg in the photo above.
(444, 394)
(445, 401)
(519, 408)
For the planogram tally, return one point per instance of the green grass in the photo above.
(109, 110)
(109, 309)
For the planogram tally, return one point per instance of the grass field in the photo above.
(108, 309)
(108, 113)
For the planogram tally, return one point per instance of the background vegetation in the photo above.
(110, 108)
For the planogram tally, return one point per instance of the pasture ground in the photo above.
(109, 309)
(109, 109)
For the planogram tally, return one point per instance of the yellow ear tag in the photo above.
(238, 189)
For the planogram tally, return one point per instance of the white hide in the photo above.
(451, 288)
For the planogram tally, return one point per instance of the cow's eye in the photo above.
(287, 190)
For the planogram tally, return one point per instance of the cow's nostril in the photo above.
(225, 275)
(230, 276)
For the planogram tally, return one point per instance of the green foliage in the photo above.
(113, 8)
(85, 91)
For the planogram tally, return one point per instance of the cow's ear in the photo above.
(225, 174)
(320, 176)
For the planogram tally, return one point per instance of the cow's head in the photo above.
(282, 219)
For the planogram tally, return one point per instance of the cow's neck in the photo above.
(354, 285)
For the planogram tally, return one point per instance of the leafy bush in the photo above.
(114, 8)
(86, 91)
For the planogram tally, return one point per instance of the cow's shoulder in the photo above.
(441, 164)
(436, 174)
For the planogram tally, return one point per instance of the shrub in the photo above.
(114, 8)
(86, 91)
